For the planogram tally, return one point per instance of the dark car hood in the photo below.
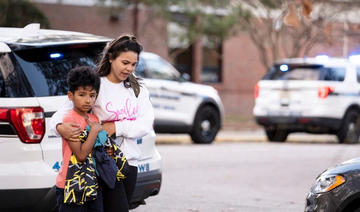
(345, 167)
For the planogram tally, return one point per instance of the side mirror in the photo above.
(184, 77)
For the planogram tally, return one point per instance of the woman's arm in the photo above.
(144, 121)
(69, 131)
(58, 116)
(82, 150)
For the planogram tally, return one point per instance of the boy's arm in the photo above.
(82, 150)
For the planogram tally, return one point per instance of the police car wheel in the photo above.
(276, 135)
(350, 129)
(206, 125)
(357, 209)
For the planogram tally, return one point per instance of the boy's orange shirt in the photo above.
(73, 117)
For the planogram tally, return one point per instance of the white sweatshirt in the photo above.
(133, 117)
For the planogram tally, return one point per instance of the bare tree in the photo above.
(277, 28)
(288, 28)
(19, 13)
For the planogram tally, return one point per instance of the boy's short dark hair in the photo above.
(83, 76)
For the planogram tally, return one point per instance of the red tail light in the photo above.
(29, 123)
(324, 91)
(256, 91)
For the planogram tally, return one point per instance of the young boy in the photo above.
(84, 86)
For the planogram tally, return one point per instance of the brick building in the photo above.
(240, 67)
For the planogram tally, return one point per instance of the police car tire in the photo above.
(351, 120)
(210, 114)
(276, 135)
(357, 209)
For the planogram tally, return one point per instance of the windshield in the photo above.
(305, 72)
(160, 69)
(46, 68)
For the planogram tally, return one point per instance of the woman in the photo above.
(124, 108)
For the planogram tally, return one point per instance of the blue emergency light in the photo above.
(284, 67)
(56, 55)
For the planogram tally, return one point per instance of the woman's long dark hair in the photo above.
(112, 50)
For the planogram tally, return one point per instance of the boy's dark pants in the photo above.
(91, 206)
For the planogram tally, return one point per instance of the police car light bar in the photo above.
(322, 58)
(354, 59)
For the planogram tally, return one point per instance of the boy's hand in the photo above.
(69, 131)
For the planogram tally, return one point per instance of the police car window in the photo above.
(160, 69)
(305, 72)
(46, 68)
(358, 73)
(140, 68)
(293, 72)
(2, 86)
(12, 81)
(333, 74)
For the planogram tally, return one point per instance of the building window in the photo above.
(182, 55)
(212, 54)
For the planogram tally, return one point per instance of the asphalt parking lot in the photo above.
(230, 176)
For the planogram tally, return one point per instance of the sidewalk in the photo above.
(255, 135)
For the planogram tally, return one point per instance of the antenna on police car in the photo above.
(30, 30)
(32, 26)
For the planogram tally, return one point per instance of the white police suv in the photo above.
(180, 106)
(314, 95)
(33, 68)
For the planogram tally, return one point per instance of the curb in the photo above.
(246, 136)
(221, 137)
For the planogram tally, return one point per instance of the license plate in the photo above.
(283, 113)
(285, 94)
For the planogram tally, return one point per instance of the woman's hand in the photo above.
(69, 131)
(109, 127)
(110, 151)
